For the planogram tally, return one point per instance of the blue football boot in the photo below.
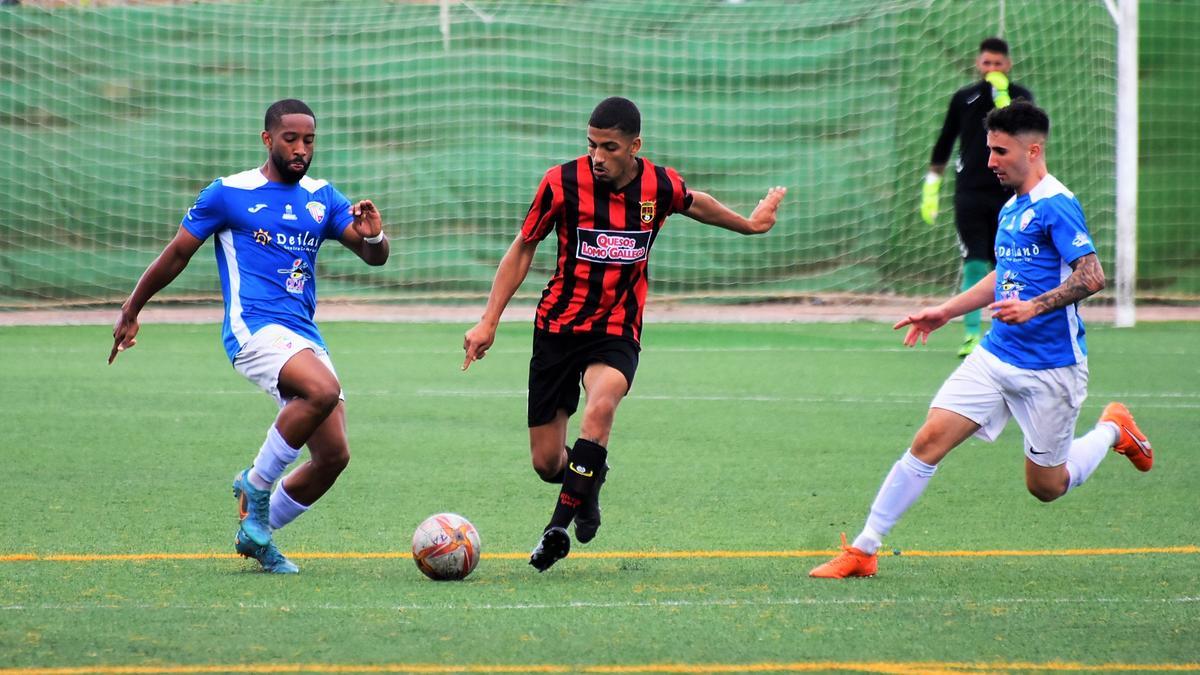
(272, 561)
(254, 508)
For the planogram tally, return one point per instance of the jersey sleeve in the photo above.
(945, 140)
(681, 197)
(543, 212)
(207, 215)
(340, 216)
(1066, 227)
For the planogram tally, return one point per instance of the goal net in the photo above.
(113, 117)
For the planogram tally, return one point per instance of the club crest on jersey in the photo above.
(1026, 219)
(613, 246)
(262, 237)
(316, 210)
(647, 211)
(297, 275)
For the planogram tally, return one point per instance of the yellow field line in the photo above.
(351, 555)
(898, 668)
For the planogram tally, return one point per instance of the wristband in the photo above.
(374, 240)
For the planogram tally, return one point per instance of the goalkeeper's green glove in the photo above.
(929, 197)
(999, 82)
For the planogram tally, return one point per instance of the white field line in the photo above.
(1169, 400)
(616, 604)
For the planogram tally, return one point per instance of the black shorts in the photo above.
(557, 366)
(975, 218)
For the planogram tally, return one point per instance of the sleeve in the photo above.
(339, 217)
(1066, 227)
(945, 140)
(207, 215)
(681, 197)
(543, 212)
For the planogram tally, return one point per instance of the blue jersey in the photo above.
(268, 235)
(1039, 235)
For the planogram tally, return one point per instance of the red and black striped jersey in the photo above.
(604, 241)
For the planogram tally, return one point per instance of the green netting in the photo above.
(111, 120)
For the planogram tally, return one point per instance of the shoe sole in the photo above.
(555, 546)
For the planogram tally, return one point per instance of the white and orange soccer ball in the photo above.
(446, 547)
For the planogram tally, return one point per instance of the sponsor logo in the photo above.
(1027, 218)
(612, 246)
(973, 98)
(1081, 240)
(647, 211)
(287, 213)
(1012, 252)
(297, 276)
(261, 236)
(189, 213)
(1010, 286)
(567, 500)
(305, 241)
(316, 210)
(580, 469)
(1006, 223)
(282, 343)
(256, 208)
(1035, 452)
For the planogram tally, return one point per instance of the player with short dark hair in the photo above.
(269, 222)
(606, 208)
(1032, 364)
(978, 196)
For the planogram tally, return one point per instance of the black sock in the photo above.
(585, 461)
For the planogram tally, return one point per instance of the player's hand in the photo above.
(929, 197)
(921, 324)
(124, 335)
(367, 221)
(999, 82)
(477, 341)
(762, 218)
(1013, 311)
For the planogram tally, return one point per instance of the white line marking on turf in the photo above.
(1146, 400)
(616, 604)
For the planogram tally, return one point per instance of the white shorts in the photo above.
(1045, 403)
(263, 356)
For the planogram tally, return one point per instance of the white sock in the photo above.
(284, 509)
(905, 482)
(273, 457)
(1087, 451)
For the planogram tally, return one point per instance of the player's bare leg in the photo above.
(312, 391)
(548, 448)
(329, 452)
(606, 387)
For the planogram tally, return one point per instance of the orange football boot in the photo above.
(1131, 442)
(851, 563)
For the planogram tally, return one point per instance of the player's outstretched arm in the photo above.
(365, 235)
(512, 271)
(707, 209)
(173, 259)
(924, 322)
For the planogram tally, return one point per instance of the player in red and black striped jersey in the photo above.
(606, 209)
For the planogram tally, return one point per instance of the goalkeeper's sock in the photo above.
(973, 271)
(585, 461)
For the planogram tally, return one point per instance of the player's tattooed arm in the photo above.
(1086, 279)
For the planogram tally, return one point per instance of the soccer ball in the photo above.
(446, 547)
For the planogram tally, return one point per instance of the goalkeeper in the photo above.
(978, 195)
